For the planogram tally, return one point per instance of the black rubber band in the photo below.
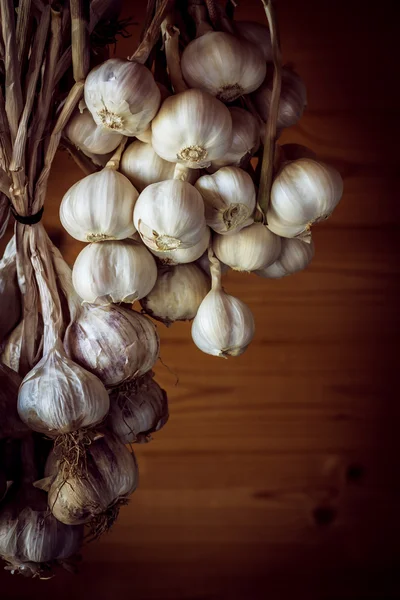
(29, 219)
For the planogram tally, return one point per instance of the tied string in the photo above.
(28, 219)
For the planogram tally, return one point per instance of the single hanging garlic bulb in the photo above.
(10, 302)
(245, 139)
(185, 255)
(229, 198)
(223, 65)
(100, 207)
(137, 409)
(258, 35)
(177, 294)
(170, 215)
(224, 325)
(249, 249)
(192, 128)
(120, 271)
(295, 256)
(122, 96)
(111, 476)
(292, 101)
(304, 192)
(85, 134)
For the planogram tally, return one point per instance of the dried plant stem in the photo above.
(24, 8)
(170, 35)
(114, 161)
(5, 142)
(264, 190)
(213, 13)
(152, 34)
(198, 12)
(79, 40)
(5, 183)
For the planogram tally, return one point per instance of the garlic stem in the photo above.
(170, 34)
(181, 172)
(114, 161)
(198, 12)
(64, 275)
(264, 191)
(215, 270)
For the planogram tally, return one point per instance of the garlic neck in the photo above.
(114, 161)
(215, 270)
(181, 172)
(170, 36)
(198, 12)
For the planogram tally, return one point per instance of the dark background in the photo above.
(278, 474)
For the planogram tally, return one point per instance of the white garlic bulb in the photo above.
(120, 271)
(295, 256)
(122, 96)
(229, 198)
(137, 409)
(224, 325)
(9, 291)
(177, 294)
(192, 128)
(292, 102)
(245, 139)
(258, 35)
(58, 396)
(100, 207)
(304, 192)
(223, 65)
(249, 249)
(185, 255)
(85, 134)
(169, 215)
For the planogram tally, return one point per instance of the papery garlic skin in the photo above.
(122, 96)
(304, 192)
(229, 198)
(224, 325)
(249, 249)
(169, 215)
(9, 291)
(137, 409)
(204, 263)
(245, 139)
(185, 255)
(85, 134)
(293, 99)
(114, 343)
(223, 65)
(192, 128)
(58, 396)
(114, 272)
(295, 256)
(177, 294)
(100, 207)
(111, 475)
(258, 35)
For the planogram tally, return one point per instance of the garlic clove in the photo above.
(99, 207)
(249, 249)
(230, 199)
(170, 215)
(223, 65)
(122, 96)
(185, 255)
(177, 294)
(295, 256)
(192, 128)
(86, 135)
(120, 271)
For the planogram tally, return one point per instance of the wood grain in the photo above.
(277, 475)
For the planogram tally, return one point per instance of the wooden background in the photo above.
(278, 474)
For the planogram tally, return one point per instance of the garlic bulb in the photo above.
(224, 325)
(292, 101)
(177, 294)
(295, 256)
(11, 425)
(204, 263)
(86, 135)
(192, 128)
(170, 215)
(223, 65)
(138, 409)
(114, 272)
(249, 249)
(9, 291)
(245, 139)
(58, 396)
(304, 192)
(258, 35)
(122, 96)
(111, 476)
(229, 198)
(99, 207)
(185, 255)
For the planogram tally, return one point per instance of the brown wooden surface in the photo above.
(278, 474)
